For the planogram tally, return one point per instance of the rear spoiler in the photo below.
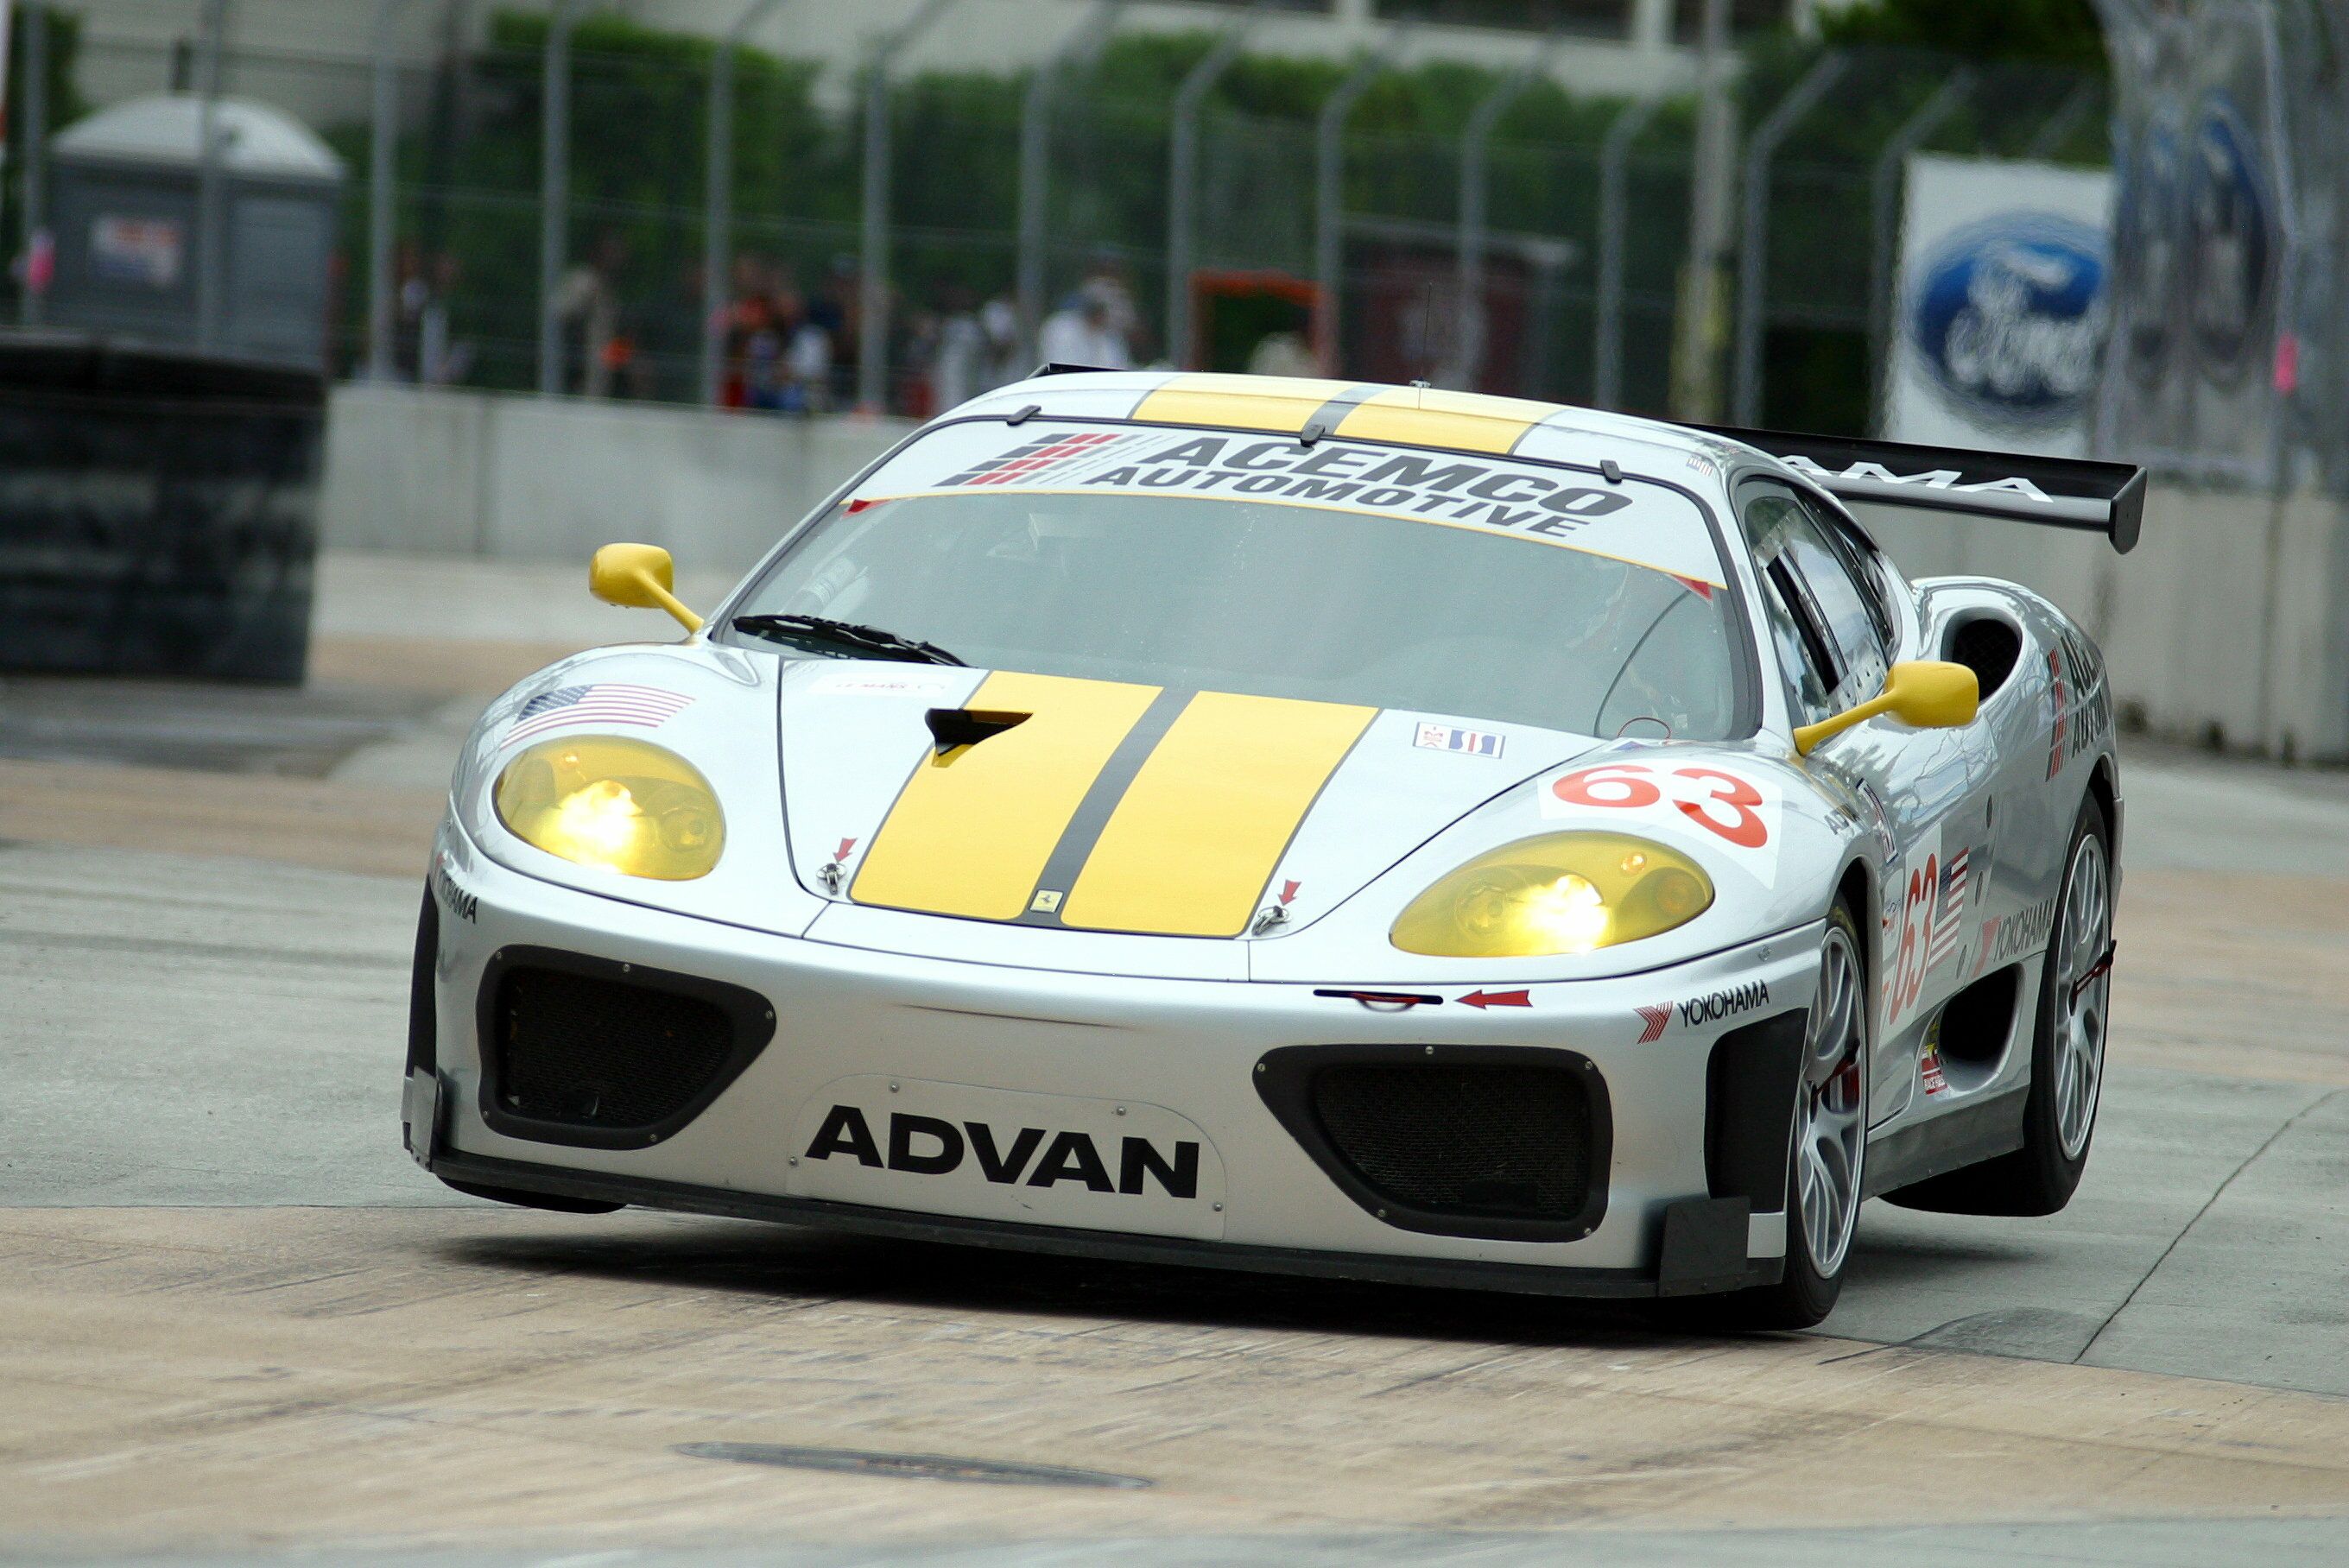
(2062, 492)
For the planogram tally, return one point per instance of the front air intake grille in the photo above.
(1503, 1143)
(583, 1051)
(1499, 1141)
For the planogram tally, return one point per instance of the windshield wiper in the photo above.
(844, 634)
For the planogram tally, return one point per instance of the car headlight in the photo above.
(623, 805)
(1559, 892)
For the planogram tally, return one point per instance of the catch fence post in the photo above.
(1884, 183)
(1753, 249)
(1328, 193)
(554, 195)
(1607, 353)
(872, 282)
(717, 200)
(1469, 239)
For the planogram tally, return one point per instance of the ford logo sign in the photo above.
(2009, 317)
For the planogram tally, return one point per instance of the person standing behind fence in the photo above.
(1109, 277)
(999, 323)
(807, 353)
(835, 309)
(589, 306)
(960, 369)
(1085, 332)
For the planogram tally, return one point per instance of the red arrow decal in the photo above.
(1483, 999)
(845, 845)
(1288, 891)
(1655, 1018)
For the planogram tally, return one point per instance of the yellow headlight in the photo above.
(1559, 892)
(625, 805)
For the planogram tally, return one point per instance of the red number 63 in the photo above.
(1725, 809)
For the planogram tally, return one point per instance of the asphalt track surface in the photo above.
(237, 1326)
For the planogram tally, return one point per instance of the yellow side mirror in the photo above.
(641, 577)
(1928, 693)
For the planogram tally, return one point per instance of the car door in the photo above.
(1827, 601)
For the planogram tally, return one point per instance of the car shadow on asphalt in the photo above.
(780, 1263)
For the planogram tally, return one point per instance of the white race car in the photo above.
(1333, 828)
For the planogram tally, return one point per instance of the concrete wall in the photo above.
(2228, 622)
(508, 477)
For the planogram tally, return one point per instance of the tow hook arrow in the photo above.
(1483, 999)
(2096, 971)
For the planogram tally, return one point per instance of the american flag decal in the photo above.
(1035, 458)
(1444, 738)
(604, 702)
(1949, 909)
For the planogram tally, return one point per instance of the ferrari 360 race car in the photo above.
(1341, 830)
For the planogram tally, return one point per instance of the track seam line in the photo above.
(2207, 1204)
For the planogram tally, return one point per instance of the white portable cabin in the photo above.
(125, 212)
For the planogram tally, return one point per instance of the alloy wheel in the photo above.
(2083, 993)
(1830, 1130)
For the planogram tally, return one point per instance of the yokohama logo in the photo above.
(1655, 1017)
(1720, 1005)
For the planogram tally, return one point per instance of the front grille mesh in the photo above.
(1507, 1142)
(580, 1051)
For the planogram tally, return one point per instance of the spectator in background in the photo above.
(745, 312)
(440, 360)
(913, 390)
(410, 294)
(778, 357)
(837, 308)
(999, 323)
(961, 363)
(1109, 277)
(807, 354)
(1085, 332)
(588, 304)
(1282, 353)
(421, 349)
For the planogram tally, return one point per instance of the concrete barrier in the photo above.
(2229, 622)
(430, 472)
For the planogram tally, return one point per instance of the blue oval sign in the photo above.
(2009, 317)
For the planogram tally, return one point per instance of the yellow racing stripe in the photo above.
(1205, 821)
(971, 830)
(1425, 417)
(1240, 402)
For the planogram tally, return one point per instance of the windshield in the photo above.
(1343, 571)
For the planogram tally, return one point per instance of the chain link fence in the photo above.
(1565, 289)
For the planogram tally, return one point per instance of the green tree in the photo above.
(2063, 32)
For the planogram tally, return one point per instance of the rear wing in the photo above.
(2062, 492)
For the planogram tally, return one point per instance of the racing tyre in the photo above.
(2067, 1051)
(1827, 1150)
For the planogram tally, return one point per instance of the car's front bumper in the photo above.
(1173, 1060)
